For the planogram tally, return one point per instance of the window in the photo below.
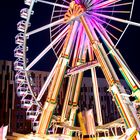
(17, 125)
(81, 97)
(0, 76)
(92, 98)
(7, 69)
(21, 124)
(32, 74)
(85, 89)
(17, 116)
(91, 89)
(85, 97)
(101, 98)
(3, 67)
(45, 78)
(81, 89)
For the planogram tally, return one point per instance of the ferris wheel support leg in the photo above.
(78, 83)
(123, 103)
(125, 106)
(46, 115)
(70, 90)
(68, 97)
(50, 104)
(54, 79)
(129, 77)
(95, 89)
(61, 60)
(75, 102)
(72, 82)
(59, 75)
(96, 96)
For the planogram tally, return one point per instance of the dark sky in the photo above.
(9, 11)
(9, 14)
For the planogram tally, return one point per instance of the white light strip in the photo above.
(47, 82)
(122, 4)
(109, 11)
(54, 4)
(60, 11)
(45, 27)
(58, 16)
(55, 28)
(66, 1)
(96, 96)
(58, 31)
(60, 48)
(118, 19)
(105, 4)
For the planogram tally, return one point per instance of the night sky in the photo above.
(9, 13)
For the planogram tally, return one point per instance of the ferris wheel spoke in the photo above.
(121, 4)
(45, 27)
(55, 47)
(111, 35)
(103, 32)
(58, 45)
(91, 26)
(82, 45)
(89, 3)
(105, 4)
(55, 28)
(60, 11)
(107, 11)
(55, 53)
(53, 4)
(96, 2)
(121, 36)
(60, 48)
(47, 82)
(109, 24)
(58, 31)
(58, 16)
(117, 19)
(47, 48)
(66, 1)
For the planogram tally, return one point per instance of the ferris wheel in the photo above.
(78, 28)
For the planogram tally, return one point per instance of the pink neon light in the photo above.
(106, 3)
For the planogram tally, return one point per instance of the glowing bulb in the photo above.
(72, 4)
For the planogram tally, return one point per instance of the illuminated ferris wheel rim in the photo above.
(55, 4)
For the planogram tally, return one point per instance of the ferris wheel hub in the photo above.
(73, 12)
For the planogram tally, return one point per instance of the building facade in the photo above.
(7, 94)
